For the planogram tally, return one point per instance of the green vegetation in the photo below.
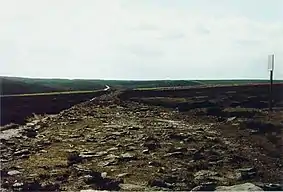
(14, 85)
(235, 82)
(50, 93)
(17, 85)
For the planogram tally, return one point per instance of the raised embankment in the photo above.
(15, 109)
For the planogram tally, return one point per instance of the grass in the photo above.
(166, 99)
(16, 85)
(105, 120)
(212, 83)
(240, 109)
(150, 88)
(235, 82)
(29, 87)
(50, 93)
(242, 112)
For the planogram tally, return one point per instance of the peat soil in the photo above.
(16, 109)
(129, 144)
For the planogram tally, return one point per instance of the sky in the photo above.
(141, 39)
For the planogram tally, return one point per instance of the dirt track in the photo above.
(137, 146)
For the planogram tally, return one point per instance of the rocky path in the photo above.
(109, 144)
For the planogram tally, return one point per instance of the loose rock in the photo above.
(18, 185)
(132, 187)
(127, 157)
(123, 175)
(247, 173)
(159, 183)
(14, 172)
(206, 175)
(210, 186)
(22, 152)
(240, 187)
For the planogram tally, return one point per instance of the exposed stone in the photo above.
(146, 151)
(131, 148)
(87, 155)
(22, 152)
(209, 186)
(33, 123)
(135, 128)
(127, 157)
(18, 185)
(104, 174)
(206, 175)
(91, 139)
(37, 127)
(74, 136)
(111, 156)
(80, 170)
(107, 163)
(43, 151)
(247, 173)
(103, 134)
(154, 163)
(122, 174)
(270, 186)
(116, 133)
(231, 119)
(112, 149)
(132, 187)
(101, 153)
(9, 126)
(240, 187)
(13, 172)
(159, 183)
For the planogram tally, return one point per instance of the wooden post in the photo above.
(270, 91)
(271, 83)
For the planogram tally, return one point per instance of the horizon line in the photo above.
(165, 79)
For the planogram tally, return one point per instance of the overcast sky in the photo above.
(141, 39)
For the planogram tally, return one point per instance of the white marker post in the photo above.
(270, 69)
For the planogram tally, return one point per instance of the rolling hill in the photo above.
(17, 85)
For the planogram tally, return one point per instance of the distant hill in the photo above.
(237, 81)
(12, 86)
(17, 85)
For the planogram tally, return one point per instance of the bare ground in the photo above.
(141, 147)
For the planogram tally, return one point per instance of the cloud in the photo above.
(173, 36)
(143, 51)
(146, 27)
(202, 30)
(247, 42)
(154, 40)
